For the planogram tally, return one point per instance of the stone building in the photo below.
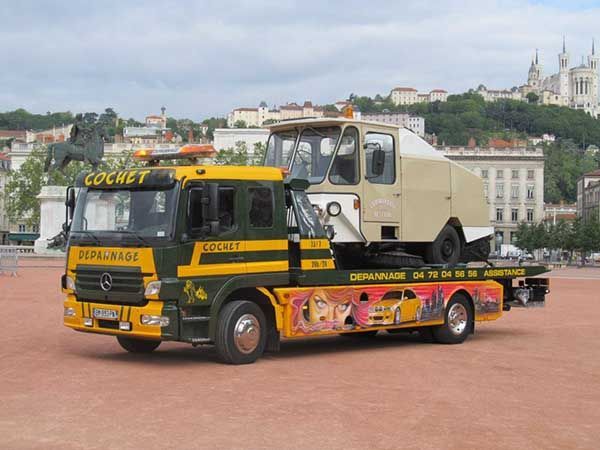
(256, 117)
(588, 195)
(413, 123)
(575, 87)
(513, 183)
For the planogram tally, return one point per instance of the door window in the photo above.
(226, 209)
(386, 142)
(260, 207)
(344, 169)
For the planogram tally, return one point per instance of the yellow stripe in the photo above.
(317, 264)
(275, 244)
(314, 244)
(276, 306)
(232, 268)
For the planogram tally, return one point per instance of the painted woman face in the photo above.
(341, 313)
(320, 310)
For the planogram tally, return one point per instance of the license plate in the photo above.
(105, 314)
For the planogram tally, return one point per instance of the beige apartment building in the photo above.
(410, 96)
(4, 227)
(513, 182)
(256, 117)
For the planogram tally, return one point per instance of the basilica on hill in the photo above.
(575, 87)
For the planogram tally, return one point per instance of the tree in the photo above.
(238, 155)
(532, 97)
(240, 124)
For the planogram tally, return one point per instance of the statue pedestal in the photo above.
(52, 217)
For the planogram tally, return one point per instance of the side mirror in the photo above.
(70, 208)
(210, 208)
(377, 159)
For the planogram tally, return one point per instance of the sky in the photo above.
(202, 58)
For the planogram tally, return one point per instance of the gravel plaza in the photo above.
(530, 380)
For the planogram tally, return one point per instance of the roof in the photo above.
(291, 106)
(441, 91)
(246, 109)
(405, 89)
(12, 133)
(308, 104)
(153, 117)
(594, 173)
(332, 121)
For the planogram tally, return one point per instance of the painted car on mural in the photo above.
(396, 307)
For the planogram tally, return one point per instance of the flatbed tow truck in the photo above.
(236, 257)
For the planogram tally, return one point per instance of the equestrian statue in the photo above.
(86, 143)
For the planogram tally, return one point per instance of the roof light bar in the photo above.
(189, 151)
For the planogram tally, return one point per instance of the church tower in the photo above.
(593, 60)
(534, 78)
(563, 70)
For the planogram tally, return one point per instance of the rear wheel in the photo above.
(458, 322)
(241, 332)
(446, 249)
(134, 345)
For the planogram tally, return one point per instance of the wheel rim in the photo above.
(457, 318)
(246, 334)
(447, 248)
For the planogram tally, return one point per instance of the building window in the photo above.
(530, 174)
(514, 191)
(514, 215)
(499, 215)
(486, 190)
(484, 173)
(530, 191)
(22, 229)
(530, 215)
(515, 174)
(500, 190)
(35, 229)
(500, 173)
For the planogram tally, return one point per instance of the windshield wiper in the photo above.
(90, 234)
(130, 233)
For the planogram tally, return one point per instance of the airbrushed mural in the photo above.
(338, 309)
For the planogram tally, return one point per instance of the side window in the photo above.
(409, 294)
(260, 200)
(344, 169)
(195, 211)
(386, 142)
(226, 209)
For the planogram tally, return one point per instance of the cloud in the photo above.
(203, 58)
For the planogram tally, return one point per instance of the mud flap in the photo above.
(530, 293)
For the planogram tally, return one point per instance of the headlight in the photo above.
(334, 209)
(153, 288)
(161, 321)
(70, 283)
(69, 312)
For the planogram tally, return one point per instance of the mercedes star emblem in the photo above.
(105, 281)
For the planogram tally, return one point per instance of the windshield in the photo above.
(314, 152)
(280, 148)
(141, 213)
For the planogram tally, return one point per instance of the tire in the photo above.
(134, 345)
(446, 249)
(362, 334)
(458, 322)
(241, 332)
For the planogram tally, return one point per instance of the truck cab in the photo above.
(385, 192)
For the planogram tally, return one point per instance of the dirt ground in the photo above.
(528, 381)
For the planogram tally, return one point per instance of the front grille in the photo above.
(127, 284)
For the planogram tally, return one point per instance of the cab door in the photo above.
(265, 228)
(221, 251)
(381, 193)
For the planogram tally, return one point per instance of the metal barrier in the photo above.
(9, 258)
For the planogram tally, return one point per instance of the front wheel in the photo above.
(134, 345)
(241, 332)
(458, 322)
(446, 249)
